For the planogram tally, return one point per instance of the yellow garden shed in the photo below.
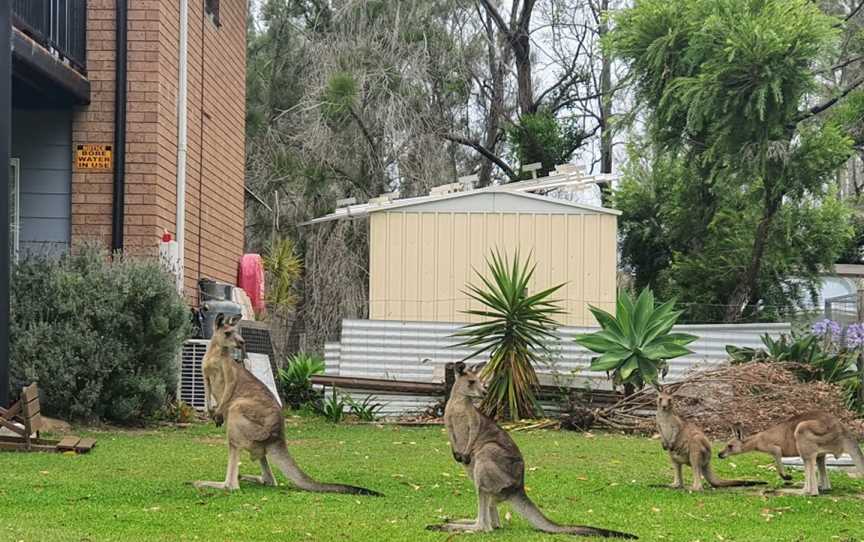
(422, 252)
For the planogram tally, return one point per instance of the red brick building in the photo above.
(68, 175)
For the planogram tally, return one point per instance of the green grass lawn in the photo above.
(136, 486)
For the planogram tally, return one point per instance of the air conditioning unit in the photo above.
(191, 387)
(259, 350)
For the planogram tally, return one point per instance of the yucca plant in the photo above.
(513, 332)
(636, 343)
(284, 268)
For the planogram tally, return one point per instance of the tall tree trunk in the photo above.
(520, 43)
(498, 71)
(605, 106)
(746, 284)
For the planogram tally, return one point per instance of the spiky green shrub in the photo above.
(514, 332)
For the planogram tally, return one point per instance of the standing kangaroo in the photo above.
(810, 436)
(688, 445)
(252, 417)
(495, 465)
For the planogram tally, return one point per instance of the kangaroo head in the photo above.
(665, 401)
(226, 334)
(468, 383)
(735, 445)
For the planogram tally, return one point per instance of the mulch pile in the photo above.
(755, 395)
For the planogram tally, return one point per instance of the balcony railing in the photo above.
(59, 25)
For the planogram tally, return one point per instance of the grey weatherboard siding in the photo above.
(42, 140)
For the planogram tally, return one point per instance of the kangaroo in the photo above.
(810, 436)
(495, 465)
(252, 417)
(688, 445)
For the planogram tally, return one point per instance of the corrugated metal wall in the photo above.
(418, 350)
(420, 263)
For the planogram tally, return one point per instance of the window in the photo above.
(211, 8)
(14, 206)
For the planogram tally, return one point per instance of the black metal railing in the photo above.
(60, 25)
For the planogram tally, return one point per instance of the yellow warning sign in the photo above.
(94, 157)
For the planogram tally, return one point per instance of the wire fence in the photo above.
(843, 309)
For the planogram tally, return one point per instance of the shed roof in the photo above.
(492, 201)
(513, 197)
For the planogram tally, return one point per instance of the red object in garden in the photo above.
(166, 237)
(250, 277)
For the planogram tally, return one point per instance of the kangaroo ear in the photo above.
(476, 368)
(738, 431)
(220, 320)
(459, 368)
(234, 319)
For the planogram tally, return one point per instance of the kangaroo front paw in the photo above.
(465, 459)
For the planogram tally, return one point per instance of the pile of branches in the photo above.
(754, 395)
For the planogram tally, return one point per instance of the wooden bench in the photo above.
(24, 419)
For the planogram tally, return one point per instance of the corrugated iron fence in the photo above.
(418, 351)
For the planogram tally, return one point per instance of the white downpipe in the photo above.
(182, 90)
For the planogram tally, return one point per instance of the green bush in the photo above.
(295, 380)
(100, 337)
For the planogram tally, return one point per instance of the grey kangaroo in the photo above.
(495, 465)
(688, 445)
(252, 417)
(811, 436)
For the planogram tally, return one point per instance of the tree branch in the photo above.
(842, 65)
(813, 111)
(853, 13)
(493, 13)
(474, 144)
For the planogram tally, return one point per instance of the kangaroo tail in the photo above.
(278, 452)
(528, 510)
(857, 457)
(719, 482)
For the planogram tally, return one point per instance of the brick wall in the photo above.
(91, 192)
(215, 157)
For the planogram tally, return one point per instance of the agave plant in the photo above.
(295, 380)
(513, 332)
(635, 344)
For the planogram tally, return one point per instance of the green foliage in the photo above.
(514, 331)
(339, 97)
(733, 201)
(333, 409)
(819, 363)
(723, 73)
(99, 336)
(853, 251)
(366, 410)
(284, 268)
(295, 379)
(540, 137)
(691, 237)
(635, 344)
